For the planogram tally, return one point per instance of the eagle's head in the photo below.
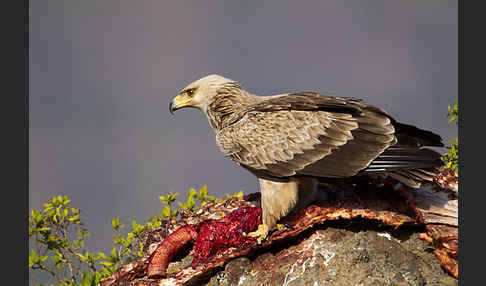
(200, 93)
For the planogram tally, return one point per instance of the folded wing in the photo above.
(323, 136)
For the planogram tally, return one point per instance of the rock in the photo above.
(341, 256)
(381, 234)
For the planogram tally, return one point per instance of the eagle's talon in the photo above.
(260, 234)
(289, 226)
(281, 227)
(284, 226)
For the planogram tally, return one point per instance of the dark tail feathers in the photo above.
(407, 161)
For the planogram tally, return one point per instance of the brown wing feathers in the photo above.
(323, 136)
(373, 135)
(309, 101)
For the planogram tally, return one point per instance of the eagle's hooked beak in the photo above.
(171, 108)
(179, 102)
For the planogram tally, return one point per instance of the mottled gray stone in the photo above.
(341, 256)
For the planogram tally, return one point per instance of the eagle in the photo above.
(291, 142)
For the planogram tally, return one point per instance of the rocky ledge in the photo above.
(363, 234)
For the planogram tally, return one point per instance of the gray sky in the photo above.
(103, 72)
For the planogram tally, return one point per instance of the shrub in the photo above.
(58, 237)
(452, 157)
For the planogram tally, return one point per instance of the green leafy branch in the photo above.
(453, 113)
(195, 200)
(55, 252)
(452, 157)
(59, 237)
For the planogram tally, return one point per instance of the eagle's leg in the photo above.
(280, 198)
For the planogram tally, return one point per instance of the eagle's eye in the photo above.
(190, 92)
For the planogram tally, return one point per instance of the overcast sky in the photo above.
(103, 72)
